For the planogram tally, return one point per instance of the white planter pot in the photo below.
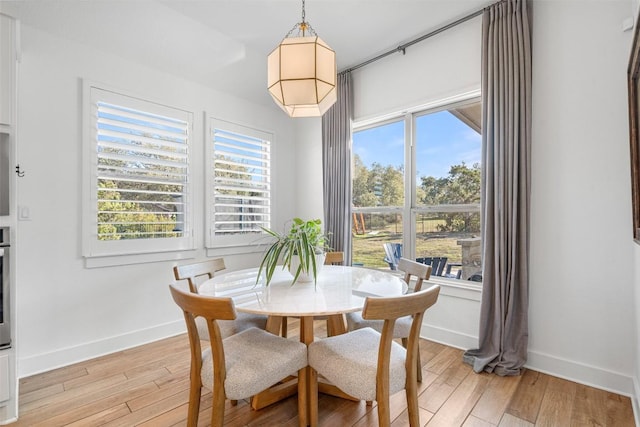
(306, 276)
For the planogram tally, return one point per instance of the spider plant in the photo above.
(303, 241)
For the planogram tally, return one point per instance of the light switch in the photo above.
(24, 214)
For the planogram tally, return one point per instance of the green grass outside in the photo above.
(368, 248)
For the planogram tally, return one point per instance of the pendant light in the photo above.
(301, 73)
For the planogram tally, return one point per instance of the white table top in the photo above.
(339, 290)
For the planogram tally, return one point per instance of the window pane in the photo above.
(370, 233)
(378, 186)
(242, 183)
(378, 166)
(448, 153)
(141, 173)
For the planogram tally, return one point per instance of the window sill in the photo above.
(451, 287)
(457, 288)
(118, 260)
(236, 250)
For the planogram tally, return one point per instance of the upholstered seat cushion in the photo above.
(230, 327)
(255, 360)
(401, 329)
(350, 362)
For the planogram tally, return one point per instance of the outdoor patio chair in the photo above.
(393, 253)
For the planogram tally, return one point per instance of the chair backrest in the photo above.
(393, 253)
(390, 309)
(334, 258)
(437, 264)
(410, 268)
(211, 309)
(191, 272)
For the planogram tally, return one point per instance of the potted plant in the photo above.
(299, 249)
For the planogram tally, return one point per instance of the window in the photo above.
(138, 195)
(239, 184)
(435, 211)
(378, 190)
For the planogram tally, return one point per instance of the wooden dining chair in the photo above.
(206, 270)
(331, 258)
(334, 258)
(370, 365)
(192, 272)
(420, 272)
(239, 366)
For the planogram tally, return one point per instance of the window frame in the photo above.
(98, 253)
(411, 209)
(232, 244)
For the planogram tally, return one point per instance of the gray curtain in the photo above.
(506, 153)
(336, 162)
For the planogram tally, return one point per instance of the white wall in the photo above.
(65, 311)
(581, 290)
(440, 67)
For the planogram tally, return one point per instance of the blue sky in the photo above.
(442, 141)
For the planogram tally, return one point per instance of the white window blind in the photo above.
(140, 175)
(241, 159)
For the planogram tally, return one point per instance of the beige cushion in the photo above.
(401, 329)
(230, 327)
(255, 360)
(350, 361)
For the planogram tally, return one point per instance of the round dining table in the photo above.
(337, 290)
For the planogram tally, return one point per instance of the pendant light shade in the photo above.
(301, 74)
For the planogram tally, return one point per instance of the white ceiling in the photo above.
(221, 43)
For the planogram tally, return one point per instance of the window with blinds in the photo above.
(140, 174)
(241, 181)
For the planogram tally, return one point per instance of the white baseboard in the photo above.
(62, 357)
(552, 365)
(8, 413)
(448, 337)
(581, 373)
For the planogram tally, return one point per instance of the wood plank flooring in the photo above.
(148, 386)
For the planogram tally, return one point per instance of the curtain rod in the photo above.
(404, 46)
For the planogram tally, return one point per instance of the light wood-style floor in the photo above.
(148, 386)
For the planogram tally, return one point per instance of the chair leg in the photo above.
(405, 342)
(217, 407)
(194, 405)
(313, 397)
(412, 404)
(384, 414)
(330, 331)
(335, 325)
(303, 397)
